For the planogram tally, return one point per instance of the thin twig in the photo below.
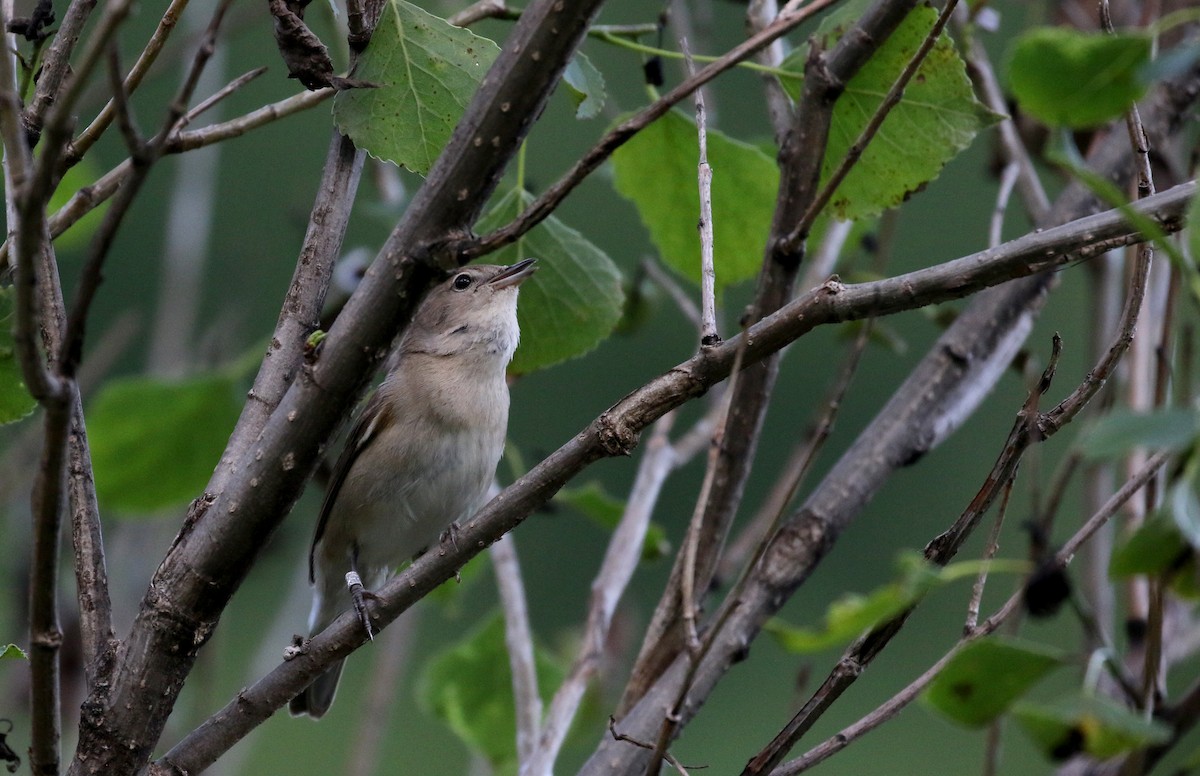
(659, 458)
(890, 708)
(616, 431)
(989, 552)
(518, 637)
(940, 551)
(1037, 204)
(84, 141)
(704, 173)
(90, 197)
(674, 763)
(1008, 180)
(478, 11)
(216, 97)
(759, 14)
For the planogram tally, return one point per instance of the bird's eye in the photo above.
(462, 282)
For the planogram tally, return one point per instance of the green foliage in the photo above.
(1094, 725)
(469, 687)
(983, 679)
(12, 652)
(574, 299)
(656, 171)
(426, 70)
(1120, 431)
(1076, 79)
(596, 504)
(937, 117)
(586, 86)
(155, 442)
(15, 401)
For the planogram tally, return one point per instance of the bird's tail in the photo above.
(318, 697)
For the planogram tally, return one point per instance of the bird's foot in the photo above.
(360, 595)
(449, 536)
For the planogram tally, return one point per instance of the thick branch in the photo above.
(122, 723)
(617, 429)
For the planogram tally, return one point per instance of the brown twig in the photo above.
(890, 708)
(616, 429)
(800, 160)
(149, 54)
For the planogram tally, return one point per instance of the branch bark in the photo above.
(121, 722)
(800, 156)
(616, 431)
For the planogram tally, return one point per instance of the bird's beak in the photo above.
(514, 274)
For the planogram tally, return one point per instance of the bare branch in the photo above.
(81, 144)
(708, 275)
(56, 66)
(226, 530)
(616, 430)
(800, 160)
(616, 570)
(518, 637)
(890, 708)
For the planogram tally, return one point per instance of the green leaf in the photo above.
(851, 614)
(1155, 547)
(155, 442)
(1120, 431)
(12, 652)
(1094, 725)
(574, 299)
(1076, 79)
(656, 171)
(469, 687)
(596, 504)
(426, 71)
(937, 117)
(983, 679)
(15, 401)
(586, 86)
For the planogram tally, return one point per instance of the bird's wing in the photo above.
(373, 417)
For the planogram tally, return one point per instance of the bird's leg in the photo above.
(449, 535)
(359, 594)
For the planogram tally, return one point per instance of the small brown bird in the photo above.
(424, 451)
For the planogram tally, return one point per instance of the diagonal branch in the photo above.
(615, 431)
(121, 723)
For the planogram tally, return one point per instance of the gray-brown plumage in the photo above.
(424, 451)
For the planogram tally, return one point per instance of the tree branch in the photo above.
(225, 530)
(616, 430)
(889, 709)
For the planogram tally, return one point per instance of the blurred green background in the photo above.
(263, 185)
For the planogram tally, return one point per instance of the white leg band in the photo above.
(353, 579)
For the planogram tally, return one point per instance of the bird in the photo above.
(423, 452)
